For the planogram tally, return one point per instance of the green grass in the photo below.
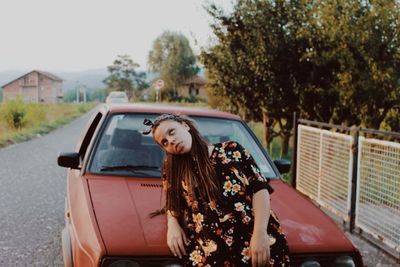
(275, 150)
(39, 119)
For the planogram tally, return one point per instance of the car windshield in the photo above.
(124, 150)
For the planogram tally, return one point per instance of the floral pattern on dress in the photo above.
(220, 232)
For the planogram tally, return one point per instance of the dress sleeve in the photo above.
(256, 179)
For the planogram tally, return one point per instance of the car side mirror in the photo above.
(69, 160)
(283, 165)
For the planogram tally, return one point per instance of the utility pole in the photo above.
(77, 91)
(84, 93)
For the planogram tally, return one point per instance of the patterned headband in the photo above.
(158, 120)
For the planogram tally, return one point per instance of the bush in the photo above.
(14, 112)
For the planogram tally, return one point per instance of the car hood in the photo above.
(307, 228)
(122, 207)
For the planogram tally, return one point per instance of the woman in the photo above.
(217, 200)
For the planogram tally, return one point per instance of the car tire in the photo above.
(66, 248)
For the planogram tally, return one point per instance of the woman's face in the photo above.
(174, 137)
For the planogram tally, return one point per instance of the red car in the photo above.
(114, 184)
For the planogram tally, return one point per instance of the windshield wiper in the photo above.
(129, 168)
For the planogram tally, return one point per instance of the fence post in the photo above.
(294, 153)
(354, 180)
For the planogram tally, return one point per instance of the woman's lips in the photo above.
(178, 147)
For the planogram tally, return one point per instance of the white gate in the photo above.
(378, 190)
(324, 172)
(324, 168)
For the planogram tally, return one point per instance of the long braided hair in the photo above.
(194, 168)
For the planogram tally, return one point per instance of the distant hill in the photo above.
(92, 79)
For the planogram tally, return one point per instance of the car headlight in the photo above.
(344, 261)
(124, 263)
(329, 260)
(310, 263)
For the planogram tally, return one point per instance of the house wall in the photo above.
(50, 90)
(184, 91)
(28, 87)
(203, 92)
(11, 91)
(58, 91)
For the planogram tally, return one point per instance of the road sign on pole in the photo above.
(159, 84)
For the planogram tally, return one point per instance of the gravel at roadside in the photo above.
(372, 255)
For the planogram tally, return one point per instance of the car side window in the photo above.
(88, 134)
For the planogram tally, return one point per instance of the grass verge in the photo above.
(39, 119)
(275, 150)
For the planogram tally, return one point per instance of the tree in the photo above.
(335, 61)
(353, 50)
(172, 57)
(97, 95)
(69, 96)
(124, 77)
(254, 62)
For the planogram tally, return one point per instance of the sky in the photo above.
(77, 35)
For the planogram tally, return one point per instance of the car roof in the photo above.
(164, 108)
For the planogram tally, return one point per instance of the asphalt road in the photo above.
(32, 191)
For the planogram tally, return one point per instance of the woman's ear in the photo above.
(186, 126)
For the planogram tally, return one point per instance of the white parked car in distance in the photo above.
(117, 97)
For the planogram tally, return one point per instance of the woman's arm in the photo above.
(259, 244)
(176, 237)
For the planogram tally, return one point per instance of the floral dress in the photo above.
(220, 233)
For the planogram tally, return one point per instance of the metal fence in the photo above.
(354, 177)
(378, 190)
(324, 169)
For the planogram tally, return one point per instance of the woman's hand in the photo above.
(259, 249)
(176, 237)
